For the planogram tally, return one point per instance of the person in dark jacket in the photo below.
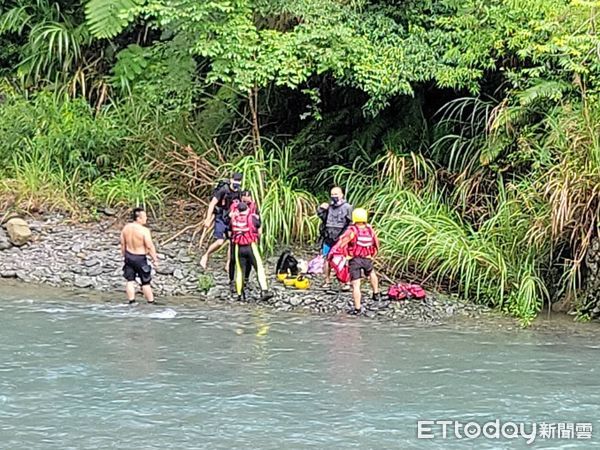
(336, 216)
(218, 210)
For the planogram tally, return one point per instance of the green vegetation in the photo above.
(288, 212)
(205, 282)
(469, 129)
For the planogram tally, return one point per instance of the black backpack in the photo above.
(219, 185)
(287, 262)
(230, 196)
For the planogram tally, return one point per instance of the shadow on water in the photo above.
(83, 370)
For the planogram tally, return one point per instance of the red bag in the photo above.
(401, 291)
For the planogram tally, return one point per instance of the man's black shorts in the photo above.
(358, 266)
(221, 227)
(137, 265)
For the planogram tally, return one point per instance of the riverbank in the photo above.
(61, 253)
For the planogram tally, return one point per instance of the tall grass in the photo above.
(58, 153)
(287, 212)
(36, 183)
(81, 143)
(131, 187)
(571, 184)
(422, 233)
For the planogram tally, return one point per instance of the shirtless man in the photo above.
(136, 243)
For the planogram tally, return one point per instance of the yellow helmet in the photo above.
(360, 215)
(282, 276)
(289, 282)
(302, 283)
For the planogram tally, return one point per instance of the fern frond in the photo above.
(543, 90)
(14, 20)
(107, 18)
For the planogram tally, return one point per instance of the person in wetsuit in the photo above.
(244, 238)
(245, 197)
(136, 244)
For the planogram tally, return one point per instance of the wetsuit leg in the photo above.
(246, 261)
(258, 266)
(231, 262)
(239, 270)
(243, 265)
(249, 265)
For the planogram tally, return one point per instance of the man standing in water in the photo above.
(136, 244)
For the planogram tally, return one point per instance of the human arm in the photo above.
(322, 211)
(232, 209)
(256, 221)
(376, 240)
(122, 244)
(348, 216)
(342, 242)
(150, 249)
(345, 239)
(210, 211)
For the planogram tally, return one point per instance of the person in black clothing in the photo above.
(245, 226)
(222, 199)
(246, 197)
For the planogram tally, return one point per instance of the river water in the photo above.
(86, 372)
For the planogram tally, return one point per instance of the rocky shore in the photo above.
(86, 256)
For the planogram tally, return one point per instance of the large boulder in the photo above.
(18, 231)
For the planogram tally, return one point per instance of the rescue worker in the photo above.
(244, 239)
(246, 197)
(361, 245)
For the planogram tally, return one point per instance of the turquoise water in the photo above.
(86, 373)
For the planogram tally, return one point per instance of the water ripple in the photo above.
(82, 373)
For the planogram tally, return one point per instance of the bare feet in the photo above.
(204, 261)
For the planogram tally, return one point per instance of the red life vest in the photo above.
(364, 244)
(243, 231)
(403, 291)
(339, 264)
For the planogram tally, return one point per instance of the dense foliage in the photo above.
(468, 128)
